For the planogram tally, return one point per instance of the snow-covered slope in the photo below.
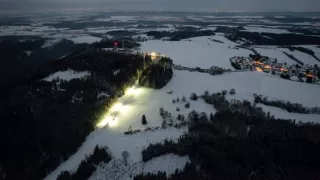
(67, 75)
(167, 163)
(116, 143)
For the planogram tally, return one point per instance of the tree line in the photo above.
(88, 166)
(288, 106)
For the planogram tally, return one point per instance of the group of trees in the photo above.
(53, 118)
(288, 106)
(242, 142)
(156, 74)
(87, 166)
(275, 39)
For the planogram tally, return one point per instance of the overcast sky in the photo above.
(179, 5)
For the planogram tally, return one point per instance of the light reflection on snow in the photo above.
(120, 108)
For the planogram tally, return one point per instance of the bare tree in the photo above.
(125, 156)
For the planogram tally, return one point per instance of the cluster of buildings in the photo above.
(305, 73)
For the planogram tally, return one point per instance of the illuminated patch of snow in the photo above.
(67, 75)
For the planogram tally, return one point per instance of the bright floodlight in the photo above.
(106, 120)
(130, 91)
(116, 107)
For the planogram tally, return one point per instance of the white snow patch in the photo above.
(167, 163)
(50, 42)
(86, 39)
(67, 75)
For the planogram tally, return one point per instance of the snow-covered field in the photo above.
(85, 39)
(304, 57)
(67, 75)
(116, 143)
(198, 52)
(167, 163)
(273, 52)
(283, 114)
(265, 30)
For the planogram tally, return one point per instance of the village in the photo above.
(302, 73)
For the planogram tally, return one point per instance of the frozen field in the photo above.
(198, 52)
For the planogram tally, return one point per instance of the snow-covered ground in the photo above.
(67, 75)
(283, 114)
(167, 163)
(117, 170)
(198, 52)
(201, 52)
(265, 30)
(304, 57)
(313, 48)
(116, 143)
(273, 52)
(85, 39)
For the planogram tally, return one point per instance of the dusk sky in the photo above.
(178, 5)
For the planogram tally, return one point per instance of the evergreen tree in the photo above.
(194, 97)
(184, 99)
(144, 120)
(211, 117)
(187, 105)
(161, 112)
